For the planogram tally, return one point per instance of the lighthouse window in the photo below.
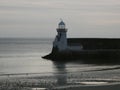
(58, 38)
(60, 34)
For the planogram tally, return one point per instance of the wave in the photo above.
(105, 69)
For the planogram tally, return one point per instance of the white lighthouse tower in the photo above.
(60, 41)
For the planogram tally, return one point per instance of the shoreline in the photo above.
(101, 87)
(71, 81)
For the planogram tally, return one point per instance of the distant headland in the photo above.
(83, 48)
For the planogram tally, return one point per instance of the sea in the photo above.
(21, 56)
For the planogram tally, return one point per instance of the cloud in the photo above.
(37, 17)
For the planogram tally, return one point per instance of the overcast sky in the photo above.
(39, 18)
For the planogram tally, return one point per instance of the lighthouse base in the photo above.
(87, 56)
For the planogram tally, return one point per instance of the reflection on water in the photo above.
(75, 73)
(61, 73)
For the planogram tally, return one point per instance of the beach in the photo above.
(50, 83)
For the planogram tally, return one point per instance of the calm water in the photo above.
(24, 56)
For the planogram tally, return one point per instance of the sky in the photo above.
(40, 18)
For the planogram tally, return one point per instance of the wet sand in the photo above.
(51, 83)
(102, 87)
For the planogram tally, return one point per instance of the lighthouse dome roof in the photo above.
(61, 23)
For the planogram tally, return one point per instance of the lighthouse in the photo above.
(83, 48)
(60, 41)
